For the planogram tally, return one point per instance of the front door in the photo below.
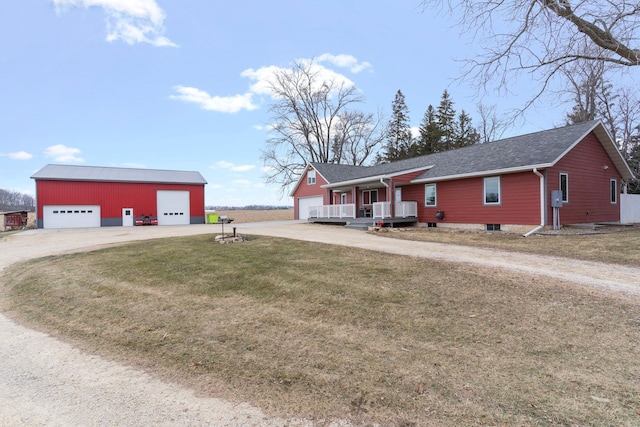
(127, 217)
(398, 194)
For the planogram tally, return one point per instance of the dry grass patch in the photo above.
(614, 246)
(306, 329)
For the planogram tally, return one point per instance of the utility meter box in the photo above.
(556, 198)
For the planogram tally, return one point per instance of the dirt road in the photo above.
(46, 382)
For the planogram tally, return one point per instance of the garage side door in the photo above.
(173, 207)
(304, 203)
(70, 216)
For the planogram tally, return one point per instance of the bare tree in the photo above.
(628, 121)
(14, 200)
(589, 90)
(313, 121)
(618, 108)
(357, 137)
(491, 126)
(545, 36)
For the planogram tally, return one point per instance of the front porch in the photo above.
(405, 213)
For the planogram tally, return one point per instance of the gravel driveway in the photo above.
(46, 382)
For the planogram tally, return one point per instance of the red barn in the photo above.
(90, 196)
(568, 175)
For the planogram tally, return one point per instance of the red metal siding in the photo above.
(306, 190)
(113, 196)
(462, 201)
(590, 170)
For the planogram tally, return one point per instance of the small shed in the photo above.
(14, 220)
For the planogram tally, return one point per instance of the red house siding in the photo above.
(589, 170)
(309, 190)
(462, 201)
(113, 196)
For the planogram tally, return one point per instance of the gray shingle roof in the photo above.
(112, 174)
(538, 149)
(339, 173)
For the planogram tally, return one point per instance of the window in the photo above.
(430, 198)
(492, 190)
(564, 186)
(614, 190)
(492, 227)
(311, 177)
(369, 197)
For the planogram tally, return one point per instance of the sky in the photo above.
(180, 85)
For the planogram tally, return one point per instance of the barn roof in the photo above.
(525, 152)
(113, 174)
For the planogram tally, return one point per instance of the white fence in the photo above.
(629, 208)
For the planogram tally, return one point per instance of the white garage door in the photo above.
(304, 203)
(70, 216)
(173, 207)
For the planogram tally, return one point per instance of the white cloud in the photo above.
(262, 80)
(222, 165)
(233, 167)
(62, 153)
(345, 61)
(132, 21)
(265, 76)
(18, 155)
(228, 104)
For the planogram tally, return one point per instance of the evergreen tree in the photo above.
(465, 134)
(429, 138)
(399, 140)
(446, 117)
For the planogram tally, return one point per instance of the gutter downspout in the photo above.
(542, 199)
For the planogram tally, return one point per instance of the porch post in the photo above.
(356, 200)
(392, 198)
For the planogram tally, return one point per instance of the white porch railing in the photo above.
(406, 209)
(333, 211)
(382, 210)
(402, 210)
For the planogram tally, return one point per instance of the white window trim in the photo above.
(613, 190)
(484, 191)
(565, 194)
(370, 193)
(435, 193)
(311, 177)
